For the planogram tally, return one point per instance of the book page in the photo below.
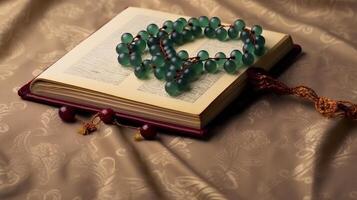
(93, 65)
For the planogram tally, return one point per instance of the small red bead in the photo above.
(148, 132)
(67, 114)
(107, 115)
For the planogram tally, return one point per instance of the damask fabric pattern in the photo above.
(273, 148)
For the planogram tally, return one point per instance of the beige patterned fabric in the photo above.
(273, 148)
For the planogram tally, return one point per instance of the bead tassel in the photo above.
(325, 106)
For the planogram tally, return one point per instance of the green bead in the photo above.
(127, 38)
(214, 22)
(170, 75)
(122, 48)
(203, 55)
(171, 54)
(230, 66)
(239, 25)
(232, 33)
(182, 84)
(141, 44)
(257, 30)
(159, 73)
(193, 21)
(123, 59)
(162, 34)
(187, 35)
(198, 68)
(152, 29)
(236, 55)
(259, 40)
(173, 67)
(154, 49)
(140, 72)
(167, 42)
(197, 31)
(169, 25)
(177, 38)
(176, 61)
(258, 50)
(134, 48)
(158, 60)
(203, 21)
(172, 88)
(144, 35)
(244, 35)
(220, 58)
(183, 54)
(248, 41)
(152, 41)
(135, 59)
(189, 74)
(211, 66)
(221, 34)
(249, 47)
(209, 32)
(178, 26)
(183, 20)
(248, 58)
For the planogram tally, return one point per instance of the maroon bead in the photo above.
(67, 114)
(107, 115)
(148, 132)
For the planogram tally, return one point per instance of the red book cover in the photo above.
(25, 93)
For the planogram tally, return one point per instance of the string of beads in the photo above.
(177, 68)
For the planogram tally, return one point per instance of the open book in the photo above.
(91, 75)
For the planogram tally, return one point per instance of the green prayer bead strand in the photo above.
(178, 69)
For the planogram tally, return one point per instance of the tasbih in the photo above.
(177, 68)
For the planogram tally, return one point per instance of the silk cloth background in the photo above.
(274, 148)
